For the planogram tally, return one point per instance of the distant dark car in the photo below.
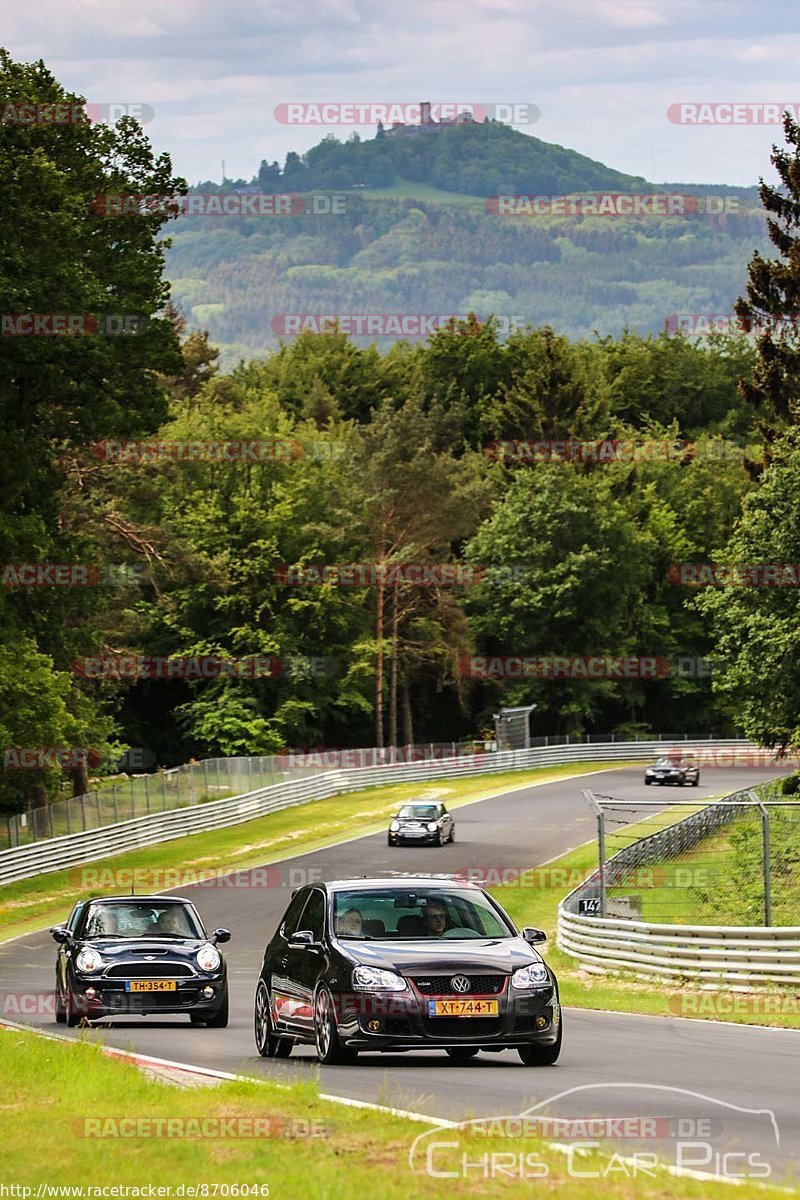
(673, 770)
(416, 963)
(139, 955)
(423, 822)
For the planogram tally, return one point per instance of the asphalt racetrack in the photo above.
(620, 1064)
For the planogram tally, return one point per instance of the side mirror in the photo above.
(221, 935)
(60, 934)
(302, 937)
(534, 936)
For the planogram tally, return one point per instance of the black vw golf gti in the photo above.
(404, 964)
(137, 955)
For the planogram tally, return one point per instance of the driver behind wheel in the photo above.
(434, 915)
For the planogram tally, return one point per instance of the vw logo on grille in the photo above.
(459, 983)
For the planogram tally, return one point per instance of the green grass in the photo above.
(44, 900)
(63, 1101)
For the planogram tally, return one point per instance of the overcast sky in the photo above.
(602, 72)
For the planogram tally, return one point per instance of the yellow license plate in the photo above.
(463, 1008)
(151, 985)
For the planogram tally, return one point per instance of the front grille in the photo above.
(462, 1027)
(146, 970)
(397, 1025)
(442, 985)
(133, 1002)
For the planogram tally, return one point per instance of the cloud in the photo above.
(603, 72)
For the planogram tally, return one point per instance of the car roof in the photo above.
(136, 899)
(402, 882)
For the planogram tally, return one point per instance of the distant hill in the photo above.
(476, 160)
(417, 234)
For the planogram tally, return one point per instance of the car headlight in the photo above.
(208, 958)
(88, 960)
(395, 825)
(530, 977)
(432, 827)
(370, 979)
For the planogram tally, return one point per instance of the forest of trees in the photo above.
(392, 461)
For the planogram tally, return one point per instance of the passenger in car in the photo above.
(351, 923)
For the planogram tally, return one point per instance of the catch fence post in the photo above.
(765, 831)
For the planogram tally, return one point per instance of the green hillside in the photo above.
(417, 235)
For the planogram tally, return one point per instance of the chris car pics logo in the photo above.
(630, 1131)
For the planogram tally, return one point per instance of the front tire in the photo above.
(267, 1044)
(330, 1050)
(61, 1015)
(542, 1056)
(71, 1017)
(218, 1020)
(461, 1054)
(696, 782)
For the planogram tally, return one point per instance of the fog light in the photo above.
(208, 993)
(91, 993)
(541, 1022)
(374, 1026)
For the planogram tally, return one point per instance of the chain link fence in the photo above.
(140, 795)
(734, 862)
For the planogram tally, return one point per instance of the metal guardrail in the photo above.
(718, 953)
(69, 850)
(731, 954)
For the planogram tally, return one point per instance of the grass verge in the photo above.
(69, 1112)
(32, 904)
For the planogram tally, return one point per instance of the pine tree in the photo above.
(772, 305)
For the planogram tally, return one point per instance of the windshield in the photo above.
(668, 762)
(420, 812)
(394, 913)
(136, 920)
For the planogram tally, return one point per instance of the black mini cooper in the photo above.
(422, 822)
(139, 955)
(414, 963)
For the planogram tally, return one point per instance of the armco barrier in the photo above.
(729, 954)
(23, 862)
(721, 954)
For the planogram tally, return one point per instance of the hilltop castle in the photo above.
(426, 123)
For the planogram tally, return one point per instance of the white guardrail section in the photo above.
(54, 854)
(718, 953)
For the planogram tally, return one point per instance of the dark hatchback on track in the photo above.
(404, 964)
(420, 823)
(137, 956)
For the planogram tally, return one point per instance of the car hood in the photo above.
(119, 950)
(487, 955)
